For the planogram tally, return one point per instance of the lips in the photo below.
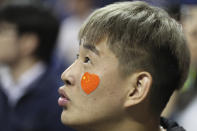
(63, 99)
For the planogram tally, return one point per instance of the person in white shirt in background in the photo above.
(185, 111)
(28, 86)
(67, 41)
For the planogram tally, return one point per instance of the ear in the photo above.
(139, 88)
(28, 44)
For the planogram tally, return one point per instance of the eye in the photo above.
(86, 59)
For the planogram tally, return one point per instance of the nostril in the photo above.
(67, 82)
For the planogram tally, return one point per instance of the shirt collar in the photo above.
(15, 90)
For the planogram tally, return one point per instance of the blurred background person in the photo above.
(28, 84)
(68, 42)
(185, 110)
(174, 10)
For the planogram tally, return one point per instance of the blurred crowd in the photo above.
(39, 40)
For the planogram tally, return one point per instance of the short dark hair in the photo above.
(144, 38)
(37, 20)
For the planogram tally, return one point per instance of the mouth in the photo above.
(63, 99)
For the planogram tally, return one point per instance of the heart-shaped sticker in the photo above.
(89, 82)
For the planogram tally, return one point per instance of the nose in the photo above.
(68, 77)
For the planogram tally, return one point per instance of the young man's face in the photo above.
(8, 43)
(105, 103)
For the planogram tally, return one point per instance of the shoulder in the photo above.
(170, 125)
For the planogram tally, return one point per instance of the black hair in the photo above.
(144, 38)
(37, 20)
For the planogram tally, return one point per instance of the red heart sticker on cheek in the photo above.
(89, 82)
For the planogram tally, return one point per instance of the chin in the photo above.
(69, 119)
(65, 117)
(74, 121)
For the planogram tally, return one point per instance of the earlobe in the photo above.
(142, 82)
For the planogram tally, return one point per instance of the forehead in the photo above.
(90, 47)
(4, 26)
(93, 46)
(99, 48)
(7, 24)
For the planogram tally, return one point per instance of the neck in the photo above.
(21, 66)
(125, 125)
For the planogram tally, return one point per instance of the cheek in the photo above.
(8, 49)
(89, 82)
(112, 88)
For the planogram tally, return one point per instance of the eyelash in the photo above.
(86, 59)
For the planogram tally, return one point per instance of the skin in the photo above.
(117, 104)
(107, 91)
(80, 8)
(8, 47)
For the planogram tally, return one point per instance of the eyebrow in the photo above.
(91, 48)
